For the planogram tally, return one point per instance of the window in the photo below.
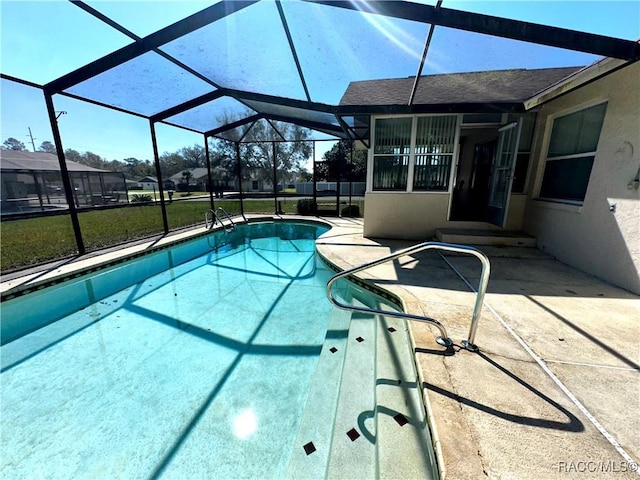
(572, 149)
(435, 140)
(391, 153)
(431, 156)
(524, 153)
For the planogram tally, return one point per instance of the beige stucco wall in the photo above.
(409, 216)
(592, 237)
(515, 212)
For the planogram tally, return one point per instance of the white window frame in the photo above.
(412, 154)
(550, 121)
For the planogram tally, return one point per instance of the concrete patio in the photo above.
(554, 391)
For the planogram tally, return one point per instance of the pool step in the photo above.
(317, 420)
(403, 442)
(364, 415)
(353, 448)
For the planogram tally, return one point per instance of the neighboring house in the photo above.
(551, 152)
(149, 183)
(133, 185)
(31, 181)
(198, 180)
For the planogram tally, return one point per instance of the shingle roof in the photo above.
(38, 161)
(197, 173)
(497, 86)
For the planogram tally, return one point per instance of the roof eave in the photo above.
(578, 79)
(467, 107)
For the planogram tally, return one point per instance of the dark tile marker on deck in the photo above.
(309, 448)
(353, 434)
(401, 419)
(359, 339)
(333, 349)
(391, 329)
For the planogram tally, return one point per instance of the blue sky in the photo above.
(43, 40)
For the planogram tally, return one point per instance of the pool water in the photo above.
(199, 371)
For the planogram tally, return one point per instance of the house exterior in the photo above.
(551, 152)
(148, 183)
(32, 182)
(197, 181)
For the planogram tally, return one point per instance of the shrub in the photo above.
(307, 206)
(351, 211)
(141, 198)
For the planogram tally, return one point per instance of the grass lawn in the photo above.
(38, 240)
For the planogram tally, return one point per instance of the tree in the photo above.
(304, 175)
(13, 144)
(194, 157)
(93, 160)
(136, 169)
(256, 153)
(47, 146)
(171, 163)
(186, 176)
(337, 161)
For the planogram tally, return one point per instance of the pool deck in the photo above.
(554, 391)
(558, 370)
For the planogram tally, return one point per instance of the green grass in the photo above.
(38, 240)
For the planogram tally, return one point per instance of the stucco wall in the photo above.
(515, 213)
(602, 236)
(409, 216)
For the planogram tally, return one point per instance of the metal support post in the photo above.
(165, 222)
(64, 172)
(240, 177)
(209, 175)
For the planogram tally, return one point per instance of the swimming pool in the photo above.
(211, 359)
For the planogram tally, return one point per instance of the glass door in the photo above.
(504, 162)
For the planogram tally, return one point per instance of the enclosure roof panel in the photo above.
(44, 46)
(145, 85)
(294, 61)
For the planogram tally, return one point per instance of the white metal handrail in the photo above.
(443, 339)
(211, 217)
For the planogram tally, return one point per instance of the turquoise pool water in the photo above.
(201, 370)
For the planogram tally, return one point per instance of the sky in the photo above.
(41, 41)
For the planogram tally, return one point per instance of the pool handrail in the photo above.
(443, 339)
(216, 218)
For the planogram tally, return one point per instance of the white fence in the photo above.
(306, 188)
